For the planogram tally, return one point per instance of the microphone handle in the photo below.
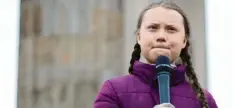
(164, 87)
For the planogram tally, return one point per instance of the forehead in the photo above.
(163, 15)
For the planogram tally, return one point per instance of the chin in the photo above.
(152, 60)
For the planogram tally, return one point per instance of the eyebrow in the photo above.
(165, 24)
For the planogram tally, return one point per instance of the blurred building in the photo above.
(69, 47)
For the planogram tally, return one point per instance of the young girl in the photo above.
(162, 29)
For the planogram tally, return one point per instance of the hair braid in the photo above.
(135, 56)
(185, 56)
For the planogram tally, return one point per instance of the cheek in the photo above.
(177, 41)
(146, 43)
(176, 47)
(145, 47)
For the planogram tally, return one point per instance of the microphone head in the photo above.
(162, 60)
(162, 64)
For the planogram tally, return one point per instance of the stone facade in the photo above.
(60, 68)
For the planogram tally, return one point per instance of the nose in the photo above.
(161, 37)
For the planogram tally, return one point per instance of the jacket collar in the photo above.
(146, 73)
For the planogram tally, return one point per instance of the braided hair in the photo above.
(185, 56)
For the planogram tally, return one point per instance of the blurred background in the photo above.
(68, 48)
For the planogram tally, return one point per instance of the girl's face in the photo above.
(161, 33)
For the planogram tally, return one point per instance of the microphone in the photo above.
(163, 69)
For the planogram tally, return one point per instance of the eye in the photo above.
(153, 27)
(171, 29)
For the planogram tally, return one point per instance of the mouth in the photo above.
(162, 47)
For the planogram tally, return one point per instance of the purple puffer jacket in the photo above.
(138, 90)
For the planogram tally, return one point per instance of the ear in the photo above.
(138, 38)
(184, 43)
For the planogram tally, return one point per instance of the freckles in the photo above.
(172, 45)
(150, 44)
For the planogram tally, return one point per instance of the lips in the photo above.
(161, 46)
